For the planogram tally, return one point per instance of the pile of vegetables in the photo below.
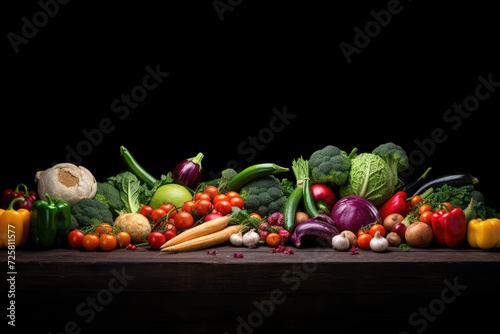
(334, 198)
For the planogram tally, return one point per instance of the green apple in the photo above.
(170, 193)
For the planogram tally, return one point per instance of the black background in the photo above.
(228, 72)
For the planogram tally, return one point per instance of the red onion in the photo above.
(189, 172)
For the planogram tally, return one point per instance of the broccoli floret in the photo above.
(89, 211)
(110, 196)
(264, 195)
(330, 165)
(394, 156)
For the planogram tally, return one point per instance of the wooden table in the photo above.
(416, 291)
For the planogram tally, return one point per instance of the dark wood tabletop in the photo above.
(419, 290)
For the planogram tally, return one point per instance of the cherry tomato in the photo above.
(424, 207)
(232, 194)
(169, 234)
(108, 242)
(75, 238)
(426, 217)
(204, 196)
(123, 238)
(220, 197)
(183, 220)
(449, 205)
(156, 239)
(273, 239)
(168, 208)
(237, 201)
(171, 226)
(146, 210)
(212, 191)
(376, 227)
(203, 207)
(90, 241)
(415, 200)
(103, 228)
(189, 206)
(364, 240)
(224, 207)
(157, 214)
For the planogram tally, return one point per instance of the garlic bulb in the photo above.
(340, 242)
(251, 238)
(66, 181)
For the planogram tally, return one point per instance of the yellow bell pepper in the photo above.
(484, 234)
(14, 225)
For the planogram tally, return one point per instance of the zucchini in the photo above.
(290, 208)
(308, 199)
(454, 180)
(252, 172)
(136, 168)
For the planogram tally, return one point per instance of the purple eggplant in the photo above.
(189, 172)
(320, 229)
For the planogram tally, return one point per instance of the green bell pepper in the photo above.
(50, 222)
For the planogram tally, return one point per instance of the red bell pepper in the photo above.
(449, 227)
(398, 203)
(8, 195)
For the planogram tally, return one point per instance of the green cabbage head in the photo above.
(370, 177)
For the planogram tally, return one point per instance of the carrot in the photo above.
(205, 228)
(205, 241)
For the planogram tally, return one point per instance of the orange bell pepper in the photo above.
(14, 225)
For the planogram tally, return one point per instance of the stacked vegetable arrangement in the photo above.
(335, 199)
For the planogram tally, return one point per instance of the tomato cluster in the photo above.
(205, 205)
(366, 234)
(425, 210)
(101, 236)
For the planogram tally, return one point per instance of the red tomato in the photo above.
(212, 191)
(183, 220)
(156, 239)
(103, 228)
(146, 210)
(157, 214)
(237, 201)
(90, 241)
(75, 238)
(377, 227)
(123, 238)
(220, 197)
(203, 206)
(232, 194)
(169, 234)
(108, 242)
(223, 206)
(364, 240)
(189, 206)
(425, 217)
(168, 208)
(273, 239)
